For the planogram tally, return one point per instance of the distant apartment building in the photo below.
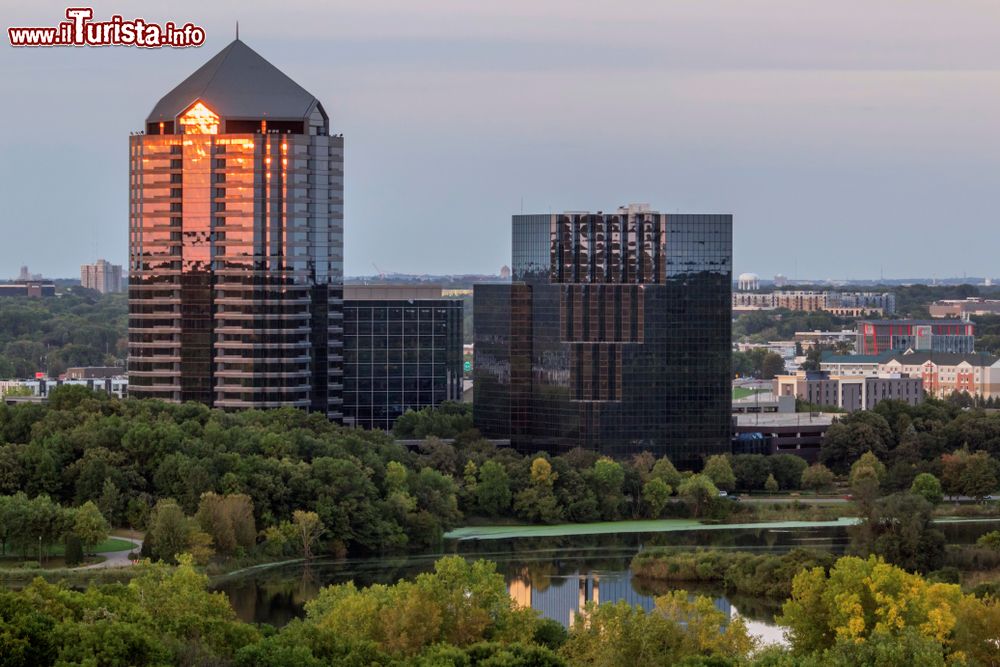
(102, 276)
(850, 392)
(402, 351)
(93, 372)
(945, 373)
(853, 364)
(878, 336)
(884, 302)
(28, 288)
(798, 300)
(940, 372)
(844, 304)
(965, 307)
(113, 386)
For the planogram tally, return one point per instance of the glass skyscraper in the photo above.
(236, 242)
(614, 335)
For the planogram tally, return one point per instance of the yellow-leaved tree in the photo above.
(869, 600)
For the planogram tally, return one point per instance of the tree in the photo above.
(968, 474)
(864, 600)
(899, 528)
(608, 477)
(751, 471)
(493, 490)
(665, 470)
(719, 470)
(656, 495)
(90, 526)
(538, 502)
(866, 478)
(697, 492)
(459, 603)
(817, 477)
(111, 502)
(927, 487)
(787, 470)
(853, 435)
(676, 631)
(771, 365)
(771, 485)
(228, 520)
(541, 472)
(309, 529)
(979, 478)
(168, 531)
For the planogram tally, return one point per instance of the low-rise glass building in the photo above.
(402, 351)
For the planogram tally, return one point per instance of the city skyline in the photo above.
(797, 118)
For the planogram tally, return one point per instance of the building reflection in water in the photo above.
(563, 597)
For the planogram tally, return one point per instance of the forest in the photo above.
(78, 327)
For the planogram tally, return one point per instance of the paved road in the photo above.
(787, 499)
(116, 558)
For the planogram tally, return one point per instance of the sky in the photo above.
(849, 139)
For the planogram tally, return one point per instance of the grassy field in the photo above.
(743, 392)
(108, 545)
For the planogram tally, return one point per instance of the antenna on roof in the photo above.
(237, 29)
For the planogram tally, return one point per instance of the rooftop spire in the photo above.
(237, 29)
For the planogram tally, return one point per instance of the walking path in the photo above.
(116, 558)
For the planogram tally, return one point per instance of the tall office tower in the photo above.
(236, 238)
(102, 276)
(614, 335)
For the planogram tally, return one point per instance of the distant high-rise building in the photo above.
(102, 276)
(614, 335)
(235, 242)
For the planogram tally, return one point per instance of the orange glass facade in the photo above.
(236, 262)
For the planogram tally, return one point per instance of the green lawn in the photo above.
(743, 392)
(110, 544)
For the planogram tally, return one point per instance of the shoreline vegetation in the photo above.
(460, 614)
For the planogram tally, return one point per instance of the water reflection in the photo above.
(555, 575)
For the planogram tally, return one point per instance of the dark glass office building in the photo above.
(236, 242)
(402, 351)
(614, 335)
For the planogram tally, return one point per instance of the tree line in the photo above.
(239, 478)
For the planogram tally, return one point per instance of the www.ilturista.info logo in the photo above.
(79, 30)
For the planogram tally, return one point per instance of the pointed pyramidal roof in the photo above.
(238, 83)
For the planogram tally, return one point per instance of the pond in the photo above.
(556, 575)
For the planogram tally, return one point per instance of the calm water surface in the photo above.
(555, 575)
